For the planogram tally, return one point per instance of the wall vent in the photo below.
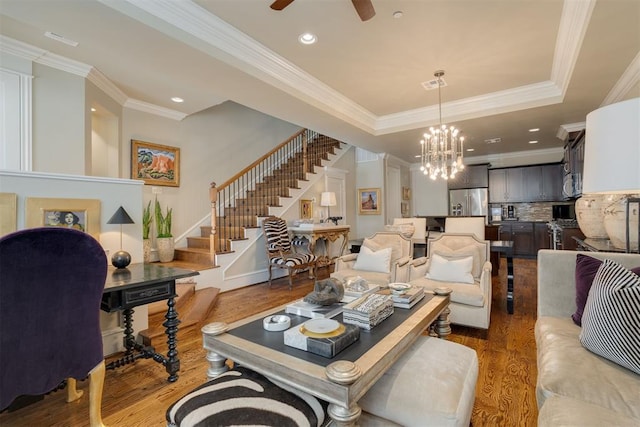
(433, 84)
(493, 140)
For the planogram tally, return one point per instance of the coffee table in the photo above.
(342, 380)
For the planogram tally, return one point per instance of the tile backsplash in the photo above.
(538, 211)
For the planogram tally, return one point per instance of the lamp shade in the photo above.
(612, 149)
(120, 217)
(328, 198)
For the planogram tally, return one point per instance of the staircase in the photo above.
(249, 195)
(239, 203)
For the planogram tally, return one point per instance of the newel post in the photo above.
(213, 197)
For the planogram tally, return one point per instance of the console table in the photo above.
(328, 233)
(140, 284)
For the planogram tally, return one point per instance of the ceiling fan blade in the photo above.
(364, 8)
(280, 4)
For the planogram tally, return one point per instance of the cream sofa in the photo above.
(574, 386)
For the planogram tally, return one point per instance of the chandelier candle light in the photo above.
(442, 147)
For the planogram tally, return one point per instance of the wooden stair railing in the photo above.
(241, 200)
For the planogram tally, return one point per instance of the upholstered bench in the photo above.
(432, 384)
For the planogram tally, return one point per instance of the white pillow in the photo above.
(378, 261)
(455, 270)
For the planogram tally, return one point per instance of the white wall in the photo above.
(428, 197)
(370, 173)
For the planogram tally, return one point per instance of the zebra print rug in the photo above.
(242, 397)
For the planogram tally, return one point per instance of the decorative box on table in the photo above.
(326, 345)
(368, 311)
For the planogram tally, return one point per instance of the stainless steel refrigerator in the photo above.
(469, 202)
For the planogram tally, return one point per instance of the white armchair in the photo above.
(460, 262)
(465, 224)
(383, 258)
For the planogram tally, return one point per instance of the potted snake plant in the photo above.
(146, 228)
(164, 238)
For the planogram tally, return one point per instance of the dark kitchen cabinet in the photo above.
(475, 176)
(542, 183)
(526, 184)
(506, 185)
(521, 233)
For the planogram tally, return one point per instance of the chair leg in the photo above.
(290, 279)
(72, 391)
(270, 272)
(96, 383)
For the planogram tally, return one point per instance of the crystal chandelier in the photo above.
(442, 147)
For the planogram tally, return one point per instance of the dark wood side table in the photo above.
(506, 247)
(140, 284)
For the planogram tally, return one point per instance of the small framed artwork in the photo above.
(8, 213)
(155, 164)
(369, 201)
(79, 214)
(306, 209)
(406, 193)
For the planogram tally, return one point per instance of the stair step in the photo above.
(184, 291)
(194, 311)
(195, 255)
(199, 242)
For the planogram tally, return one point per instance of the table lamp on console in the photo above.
(122, 258)
(328, 199)
(612, 166)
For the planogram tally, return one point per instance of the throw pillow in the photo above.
(450, 270)
(383, 243)
(611, 318)
(376, 261)
(463, 252)
(586, 269)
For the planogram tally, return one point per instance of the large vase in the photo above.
(165, 248)
(590, 215)
(146, 250)
(615, 222)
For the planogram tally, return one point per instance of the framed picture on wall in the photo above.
(155, 164)
(369, 201)
(406, 193)
(8, 213)
(306, 209)
(79, 214)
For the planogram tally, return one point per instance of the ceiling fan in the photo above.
(363, 7)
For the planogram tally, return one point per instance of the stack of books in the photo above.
(368, 311)
(407, 300)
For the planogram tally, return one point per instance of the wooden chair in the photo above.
(52, 281)
(280, 249)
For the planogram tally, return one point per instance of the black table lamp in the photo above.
(121, 258)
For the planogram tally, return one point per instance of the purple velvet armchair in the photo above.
(51, 282)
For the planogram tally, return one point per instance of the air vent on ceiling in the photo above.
(493, 140)
(433, 84)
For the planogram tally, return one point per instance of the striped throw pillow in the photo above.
(611, 318)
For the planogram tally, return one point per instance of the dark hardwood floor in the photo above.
(138, 394)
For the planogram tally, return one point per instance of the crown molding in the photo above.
(565, 130)
(96, 77)
(146, 107)
(627, 81)
(574, 21)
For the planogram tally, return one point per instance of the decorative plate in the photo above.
(321, 325)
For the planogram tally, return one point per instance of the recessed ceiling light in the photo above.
(418, 156)
(471, 149)
(177, 99)
(307, 38)
(534, 130)
(533, 142)
(93, 110)
(397, 14)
